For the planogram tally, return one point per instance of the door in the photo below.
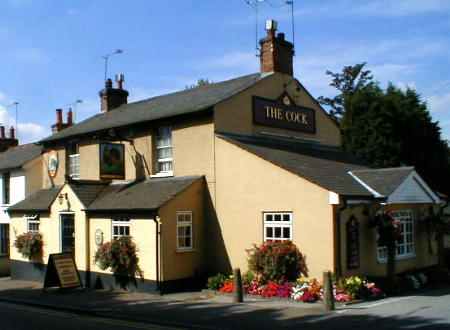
(68, 233)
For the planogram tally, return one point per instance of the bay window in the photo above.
(405, 245)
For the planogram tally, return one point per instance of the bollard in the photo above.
(328, 297)
(238, 295)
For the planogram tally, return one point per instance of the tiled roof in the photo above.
(16, 157)
(87, 191)
(178, 103)
(140, 196)
(384, 181)
(325, 166)
(40, 201)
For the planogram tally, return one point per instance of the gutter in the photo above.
(157, 221)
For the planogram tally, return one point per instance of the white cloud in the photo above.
(27, 132)
(440, 103)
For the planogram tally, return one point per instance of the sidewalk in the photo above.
(194, 310)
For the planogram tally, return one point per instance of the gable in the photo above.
(413, 190)
(236, 115)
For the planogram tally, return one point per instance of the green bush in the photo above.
(30, 245)
(216, 282)
(121, 256)
(277, 261)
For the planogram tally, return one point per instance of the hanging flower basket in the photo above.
(119, 255)
(30, 245)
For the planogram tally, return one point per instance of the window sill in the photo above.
(185, 250)
(162, 175)
(403, 257)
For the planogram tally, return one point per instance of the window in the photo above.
(4, 239)
(164, 158)
(33, 224)
(405, 246)
(277, 226)
(73, 161)
(6, 188)
(120, 228)
(74, 166)
(184, 230)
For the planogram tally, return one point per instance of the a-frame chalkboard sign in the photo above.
(62, 271)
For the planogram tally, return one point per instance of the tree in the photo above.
(200, 83)
(391, 127)
(351, 80)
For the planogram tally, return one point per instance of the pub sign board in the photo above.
(112, 161)
(62, 271)
(353, 250)
(288, 116)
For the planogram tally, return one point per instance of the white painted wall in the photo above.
(413, 190)
(16, 194)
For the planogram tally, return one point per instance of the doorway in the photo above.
(68, 233)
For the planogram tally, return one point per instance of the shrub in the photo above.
(216, 282)
(29, 245)
(353, 286)
(277, 261)
(121, 256)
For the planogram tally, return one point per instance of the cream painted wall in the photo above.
(183, 264)
(34, 175)
(246, 187)
(368, 242)
(235, 114)
(50, 228)
(143, 231)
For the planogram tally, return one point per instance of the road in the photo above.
(20, 317)
(430, 310)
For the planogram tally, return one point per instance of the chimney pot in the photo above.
(2, 132)
(281, 36)
(108, 83)
(12, 133)
(59, 118)
(70, 117)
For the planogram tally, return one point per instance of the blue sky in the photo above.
(51, 50)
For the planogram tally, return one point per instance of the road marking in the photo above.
(386, 301)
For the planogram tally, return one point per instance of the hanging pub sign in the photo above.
(52, 163)
(283, 114)
(62, 271)
(353, 252)
(112, 161)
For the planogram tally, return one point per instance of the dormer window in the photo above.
(164, 160)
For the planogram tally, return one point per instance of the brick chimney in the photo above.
(276, 53)
(7, 142)
(112, 98)
(60, 125)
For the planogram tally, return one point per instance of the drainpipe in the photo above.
(157, 221)
(338, 256)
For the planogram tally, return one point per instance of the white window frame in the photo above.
(34, 219)
(277, 224)
(406, 217)
(159, 147)
(121, 223)
(74, 163)
(183, 224)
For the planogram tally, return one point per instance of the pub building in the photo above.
(198, 176)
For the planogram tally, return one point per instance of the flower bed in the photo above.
(304, 289)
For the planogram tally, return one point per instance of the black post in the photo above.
(328, 298)
(238, 296)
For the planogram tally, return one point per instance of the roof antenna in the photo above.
(255, 4)
(291, 3)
